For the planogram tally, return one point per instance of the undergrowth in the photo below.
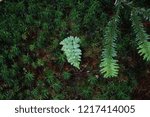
(32, 65)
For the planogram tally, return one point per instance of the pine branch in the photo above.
(141, 36)
(144, 12)
(109, 66)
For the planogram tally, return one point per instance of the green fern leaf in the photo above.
(141, 36)
(72, 50)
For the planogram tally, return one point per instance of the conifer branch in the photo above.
(141, 36)
(144, 12)
(109, 66)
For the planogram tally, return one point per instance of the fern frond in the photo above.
(141, 36)
(72, 50)
(109, 66)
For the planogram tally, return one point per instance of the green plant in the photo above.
(57, 86)
(26, 59)
(29, 76)
(86, 92)
(144, 13)
(40, 62)
(92, 80)
(109, 66)
(49, 76)
(66, 75)
(141, 35)
(32, 65)
(72, 50)
(116, 90)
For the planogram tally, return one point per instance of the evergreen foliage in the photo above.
(109, 66)
(143, 12)
(141, 36)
